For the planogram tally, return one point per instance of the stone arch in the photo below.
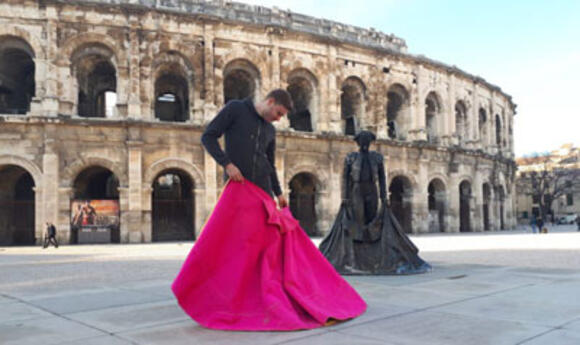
(437, 204)
(172, 86)
(38, 49)
(352, 103)
(461, 122)
(174, 163)
(18, 205)
(77, 166)
(433, 116)
(482, 125)
(498, 130)
(486, 198)
(401, 192)
(25, 164)
(73, 44)
(465, 201)
(173, 206)
(305, 201)
(241, 79)
(18, 74)
(303, 87)
(404, 173)
(399, 119)
(95, 71)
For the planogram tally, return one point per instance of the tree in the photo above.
(548, 181)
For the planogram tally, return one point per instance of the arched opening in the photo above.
(432, 110)
(96, 79)
(17, 84)
(95, 207)
(486, 191)
(498, 126)
(171, 98)
(302, 88)
(437, 204)
(352, 104)
(173, 207)
(482, 124)
(303, 194)
(398, 119)
(401, 195)
(241, 80)
(465, 206)
(461, 126)
(500, 193)
(16, 206)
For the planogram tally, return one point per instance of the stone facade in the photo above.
(566, 159)
(125, 88)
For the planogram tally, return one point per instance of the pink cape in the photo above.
(253, 268)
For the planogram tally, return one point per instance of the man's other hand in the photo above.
(282, 202)
(234, 173)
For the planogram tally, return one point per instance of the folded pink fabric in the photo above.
(253, 268)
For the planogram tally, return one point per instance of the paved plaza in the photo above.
(494, 288)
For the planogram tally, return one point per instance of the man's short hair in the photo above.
(282, 97)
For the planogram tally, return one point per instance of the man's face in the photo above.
(274, 111)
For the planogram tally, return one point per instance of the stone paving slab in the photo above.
(115, 320)
(429, 327)
(120, 294)
(49, 330)
(18, 311)
(188, 332)
(105, 298)
(556, 337)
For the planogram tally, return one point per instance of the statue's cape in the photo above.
(254, 268)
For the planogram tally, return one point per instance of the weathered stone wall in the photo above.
(201, 42)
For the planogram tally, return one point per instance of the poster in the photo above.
(97, 213)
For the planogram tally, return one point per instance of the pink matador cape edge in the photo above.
(254, 268)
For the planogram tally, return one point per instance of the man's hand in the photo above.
(234, 173)
(282, 202)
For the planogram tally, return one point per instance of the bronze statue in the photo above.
(366, 238)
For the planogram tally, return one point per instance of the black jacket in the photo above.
(250, 143)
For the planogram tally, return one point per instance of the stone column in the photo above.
(210, 171)
(329, 118)
(454, 201)
(45, 102)
(135, 228)
(134, 101)
(48, 194)
(199, 210)
(477, 192)
(421, 199)
(210, 107)
(65, 195)
(449, 131)
(418, 130)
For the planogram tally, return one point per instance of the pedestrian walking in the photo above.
(50, 236)
(534, 224)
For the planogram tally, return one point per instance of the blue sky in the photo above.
(530, 49)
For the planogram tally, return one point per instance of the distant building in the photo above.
(566, 158)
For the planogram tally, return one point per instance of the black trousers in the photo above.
(50, 240)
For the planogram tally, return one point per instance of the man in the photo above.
(250, 140)
(50, 236)
(253, 268)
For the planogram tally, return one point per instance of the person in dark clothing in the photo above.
(250, 140)
(367, 238)
(50, 237)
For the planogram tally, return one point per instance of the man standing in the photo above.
(250, 140)
(253, 268)
(50, 236)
